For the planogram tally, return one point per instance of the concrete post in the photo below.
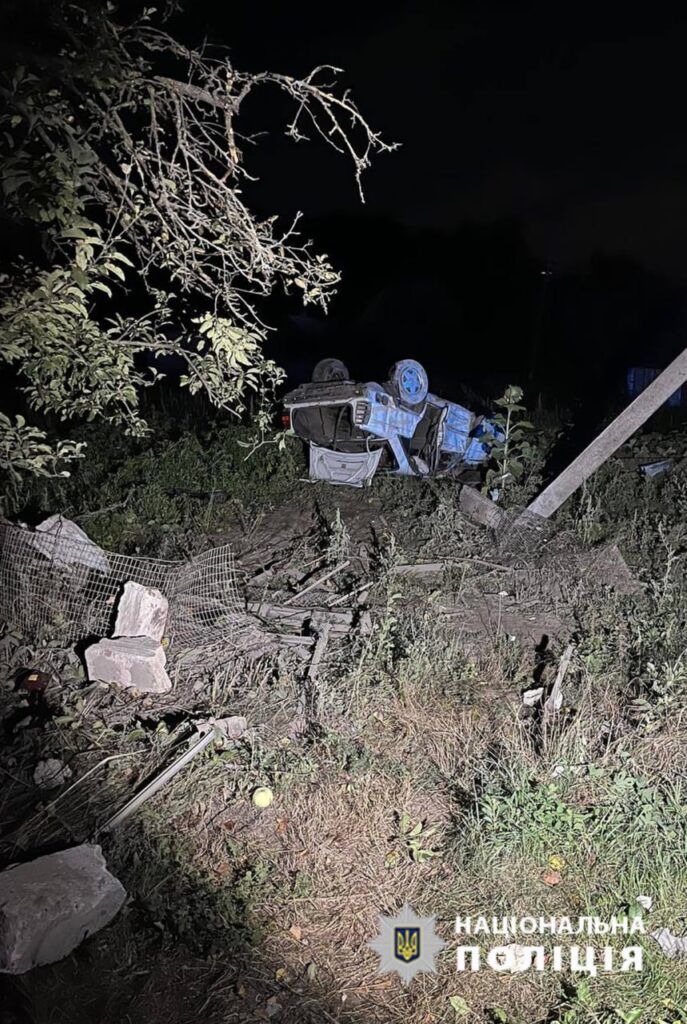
(611, 438)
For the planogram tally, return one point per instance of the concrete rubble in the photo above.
(142, 611)
(531, 698)
(65, 543)
(50, 905)
(654, 469)
(672, 945)
(134, 657)
(51, 773)
(132, 661)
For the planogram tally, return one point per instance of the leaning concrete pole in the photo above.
(611, 438)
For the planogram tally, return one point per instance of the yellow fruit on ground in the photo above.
(263, 796)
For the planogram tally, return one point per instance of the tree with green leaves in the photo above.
(123, 155)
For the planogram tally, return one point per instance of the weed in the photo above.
(414, 837)
(411, 840)
(512, 447)
(536, 818)
(339, 542)
(160, 497)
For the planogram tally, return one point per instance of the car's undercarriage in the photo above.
(353, 430)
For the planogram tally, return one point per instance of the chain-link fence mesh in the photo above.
(56, 586)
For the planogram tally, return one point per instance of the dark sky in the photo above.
(568, 119)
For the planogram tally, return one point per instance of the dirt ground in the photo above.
(405, 767)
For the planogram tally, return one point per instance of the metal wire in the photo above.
(55, 587)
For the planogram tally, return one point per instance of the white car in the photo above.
(355, 429)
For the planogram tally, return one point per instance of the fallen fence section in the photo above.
(54, 586)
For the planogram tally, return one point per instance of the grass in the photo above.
(165, 494)
(422, 779)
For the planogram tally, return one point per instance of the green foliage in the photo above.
(412, 842)
(618, 806)
(190, 904)
(513, 449)
(581, 1007)
(538, 815)
(163, 497)
(414, 837)
(23, 450)
(460, 1005)
(111, 147)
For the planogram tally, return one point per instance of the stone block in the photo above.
(50, 905)
(136, 661)
(142, 611)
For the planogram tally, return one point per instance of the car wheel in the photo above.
(408, 381)
(330, 369)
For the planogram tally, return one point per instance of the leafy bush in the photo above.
(161, 497)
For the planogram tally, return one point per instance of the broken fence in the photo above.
(55, 587)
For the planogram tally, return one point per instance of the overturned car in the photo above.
(355, 429)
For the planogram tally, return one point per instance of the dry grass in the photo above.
(241, 915)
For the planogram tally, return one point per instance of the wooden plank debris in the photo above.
(319, 582)
(297, 618)
(480, 509)
(318, 653)
(554, 701)
(420, 568)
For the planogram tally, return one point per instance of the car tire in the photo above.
(408, 382)
(329, 370)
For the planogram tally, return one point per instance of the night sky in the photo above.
(568, 119)
(535, 137)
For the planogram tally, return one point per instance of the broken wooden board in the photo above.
(296, 619)
(480, 614)
(480, 509)
(420, 568)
